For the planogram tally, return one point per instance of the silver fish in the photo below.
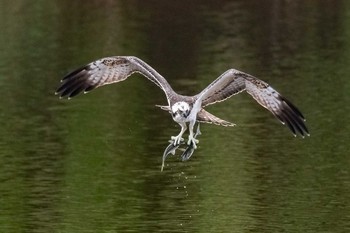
(171, 149)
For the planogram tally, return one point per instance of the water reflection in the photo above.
(92, 164)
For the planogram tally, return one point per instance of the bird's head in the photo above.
(180, 110)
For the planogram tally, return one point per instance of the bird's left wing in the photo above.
(234, 81)
(109, 70)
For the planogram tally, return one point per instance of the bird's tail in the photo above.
(203, 117)
(206, 117)
(164, 107)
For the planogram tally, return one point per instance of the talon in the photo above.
(177, 140)
(193, 141)
(194, 146)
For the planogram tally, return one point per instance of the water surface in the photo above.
(92, 164)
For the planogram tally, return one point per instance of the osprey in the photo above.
(185, 109)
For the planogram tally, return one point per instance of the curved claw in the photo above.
(192, 146)
(192, 141)
(177, 140)
(175, 144)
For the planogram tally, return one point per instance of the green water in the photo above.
(92, 163)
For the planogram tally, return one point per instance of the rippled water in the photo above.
(92, 164)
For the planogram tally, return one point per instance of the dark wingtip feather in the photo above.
(74, 83)
(295, 121)
(289, 124)
(293, 118)
(74, 72)
(293, 107)
(89, 88)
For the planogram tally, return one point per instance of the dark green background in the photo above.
(92, 164)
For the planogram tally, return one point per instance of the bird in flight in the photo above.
(185, 109)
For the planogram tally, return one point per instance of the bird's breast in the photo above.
(180, 118)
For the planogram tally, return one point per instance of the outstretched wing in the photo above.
(234, 81)
(107, 71)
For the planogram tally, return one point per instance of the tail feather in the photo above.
(206, 117)
(163, 107)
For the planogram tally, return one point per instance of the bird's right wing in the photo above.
(107, 71)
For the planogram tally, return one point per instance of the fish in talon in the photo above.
(188, 152)
(186, 155)
(171, 149)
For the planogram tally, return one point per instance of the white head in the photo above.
(180, 111)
